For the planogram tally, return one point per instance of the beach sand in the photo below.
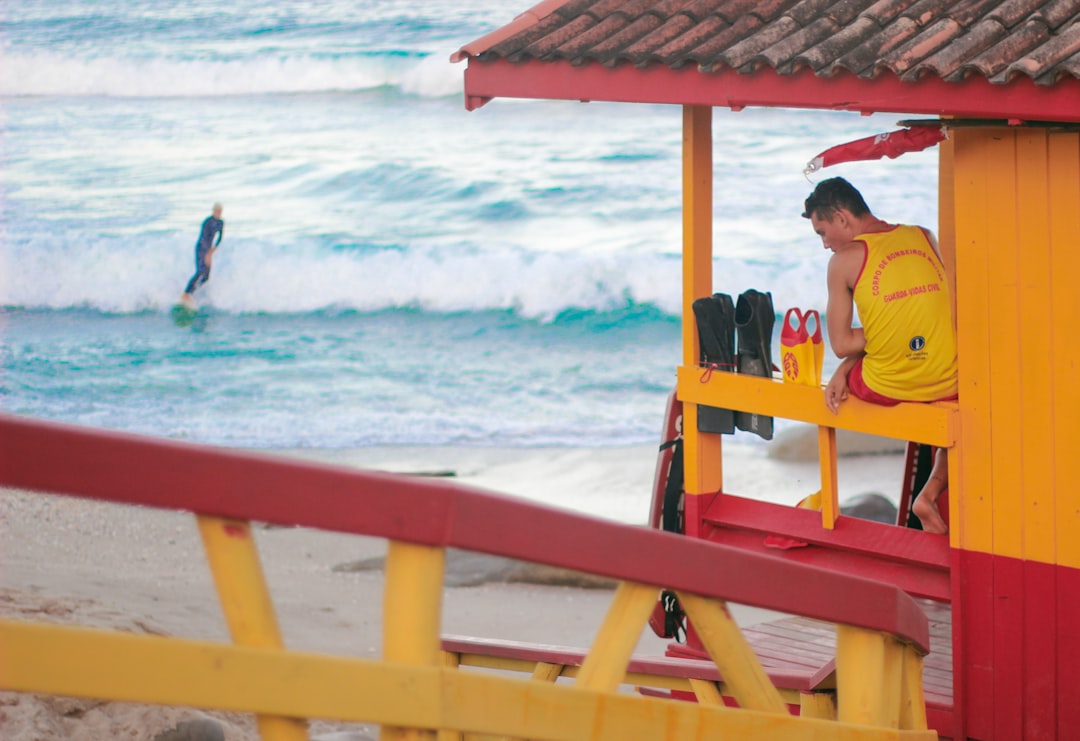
(73, 561)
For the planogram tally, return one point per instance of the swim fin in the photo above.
(715, 317)
(754, 320)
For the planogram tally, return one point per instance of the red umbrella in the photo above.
(891, 144)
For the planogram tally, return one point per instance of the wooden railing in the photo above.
(935, 424)
(882, 634)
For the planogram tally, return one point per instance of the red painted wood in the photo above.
(1021, 648)
(1008, 648)
(915, 561)
(900, 544)
(126, 468)
(976, 578)
(1067, 582)
(1039, 639)
(973, 97)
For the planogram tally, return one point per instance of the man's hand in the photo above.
(837, 390)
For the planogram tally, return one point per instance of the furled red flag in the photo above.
(891, 144)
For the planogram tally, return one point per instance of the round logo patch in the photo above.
(917, 343)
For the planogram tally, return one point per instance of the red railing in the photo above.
(124, 468)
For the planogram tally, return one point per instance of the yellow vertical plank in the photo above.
(545, 672)
(727, 646)
(245, 601)
(912, 697)
(1006, 351)
(412, 614)
(1064, 312)
(702, 453)
(946, 231)
(830, 504)
(817, 705)
(869, 677)
(605, 666)
(706, 692)
(971, 492)
(1035, 325)
(697, 183)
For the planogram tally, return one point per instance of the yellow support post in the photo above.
(706, 692)
(817, 705)
(245, 600)
(412, 614)
(830, 505)
(545, 672)
(605, 665)
(738, 665)
(702, 452)
(869, 674)
(912, 698)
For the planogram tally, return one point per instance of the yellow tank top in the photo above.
(902, 298)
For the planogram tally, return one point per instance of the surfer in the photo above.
(905, 349)
(204, 251)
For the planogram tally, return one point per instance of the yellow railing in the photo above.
(881, 636)
(936, 424)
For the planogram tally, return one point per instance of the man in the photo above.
(204, 251)
(905, 349)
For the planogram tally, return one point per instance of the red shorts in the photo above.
(860, 390)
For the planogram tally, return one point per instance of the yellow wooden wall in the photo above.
(1017, 229)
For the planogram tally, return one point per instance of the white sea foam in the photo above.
(117, 275)
(57, 74)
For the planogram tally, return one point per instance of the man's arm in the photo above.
(220, 234)
(844, 267)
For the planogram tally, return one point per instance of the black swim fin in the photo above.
(715, 317)
(754, 320)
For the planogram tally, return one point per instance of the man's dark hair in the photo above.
(832, 194)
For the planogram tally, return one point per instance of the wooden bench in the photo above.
(803, 671)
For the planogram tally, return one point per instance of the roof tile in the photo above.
(993, 60)
(952, 39)
(922, 45)
(948, 60)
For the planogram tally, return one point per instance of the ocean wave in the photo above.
(120, 275)
(49, 73)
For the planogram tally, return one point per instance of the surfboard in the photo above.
(184, 311)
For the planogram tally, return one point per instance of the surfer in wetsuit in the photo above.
(204, 250)
(906, 347)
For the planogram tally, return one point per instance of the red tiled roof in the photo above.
(953, 42)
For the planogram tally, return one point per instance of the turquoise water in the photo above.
(395, 270)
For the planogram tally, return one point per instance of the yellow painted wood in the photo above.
(1034, 457)
(545, 672)
(912, 697)
(697, 177)
(869, 674)
(702, 452)
(946, 231)
(1064, 308)
(946, 235)
(245, 601)
(817, 705)
(1006, 356)
(739, 666)
(830, 500)
(412, 613)
(936, 424)
(155, 670)
(971, 492)
(450, 660)
(706, 692)
(605, 664)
